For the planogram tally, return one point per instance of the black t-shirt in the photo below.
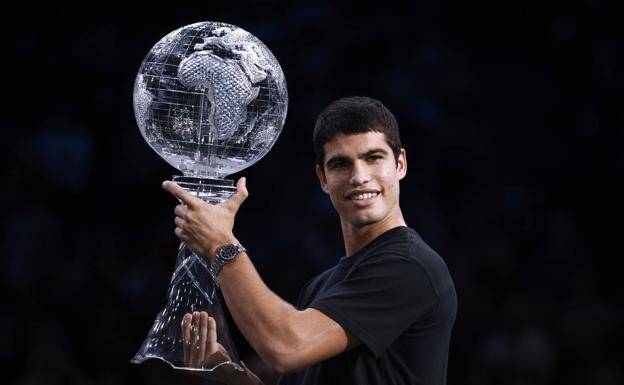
(397, 297)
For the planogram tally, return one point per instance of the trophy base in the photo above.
(213, 191)
(224, 366)
(193, 288)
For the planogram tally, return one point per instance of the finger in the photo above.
(180, 193)
(179, 222)
(195, 341)
(239, 197)
(203, 331)
(180, 234)
(186, 338)
(212, 347)
(180, 211)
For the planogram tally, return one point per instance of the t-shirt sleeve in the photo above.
(379, 300)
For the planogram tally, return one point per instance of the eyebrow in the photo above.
(373, 152)
(342, 158)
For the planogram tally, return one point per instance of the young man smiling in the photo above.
(382, 315)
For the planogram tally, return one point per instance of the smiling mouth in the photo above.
(363, 196)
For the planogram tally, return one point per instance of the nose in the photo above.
(359, 174)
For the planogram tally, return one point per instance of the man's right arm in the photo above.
(286, 339)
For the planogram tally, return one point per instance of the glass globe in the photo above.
(211, 99)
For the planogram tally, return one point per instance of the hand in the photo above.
(199, 341)
(202, 351)
(204, 227)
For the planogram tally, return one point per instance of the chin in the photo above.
(361, 221)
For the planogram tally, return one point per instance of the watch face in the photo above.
(228, 252)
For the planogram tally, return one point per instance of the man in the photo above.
(382, 315)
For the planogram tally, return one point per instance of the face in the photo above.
(361, 176)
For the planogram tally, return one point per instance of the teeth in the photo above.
(363, 196)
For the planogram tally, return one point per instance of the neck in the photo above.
(356, 237)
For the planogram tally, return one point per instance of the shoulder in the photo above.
(312, 288)
(405, 250)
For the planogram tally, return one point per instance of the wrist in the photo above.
(225, 255)
(229, 239)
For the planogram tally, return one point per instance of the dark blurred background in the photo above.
(511, 115)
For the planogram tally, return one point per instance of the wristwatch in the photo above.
(226, 254)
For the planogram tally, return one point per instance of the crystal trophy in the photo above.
(211, 99)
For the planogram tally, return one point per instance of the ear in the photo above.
(402, 164)
(320, 174)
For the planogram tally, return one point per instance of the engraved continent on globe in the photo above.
(211, 99)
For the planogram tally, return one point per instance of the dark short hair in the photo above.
(354, 115)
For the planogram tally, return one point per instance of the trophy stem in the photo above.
(193, 288)
(213, 191)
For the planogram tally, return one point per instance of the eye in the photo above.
(375, 157)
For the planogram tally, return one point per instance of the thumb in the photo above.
(239, 197)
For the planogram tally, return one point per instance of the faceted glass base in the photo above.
(193, 288)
